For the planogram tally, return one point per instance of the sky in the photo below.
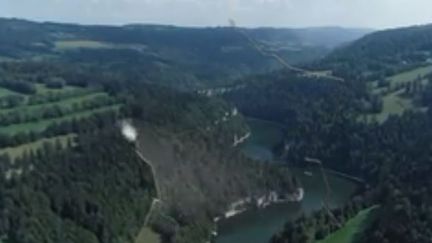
(377, 14)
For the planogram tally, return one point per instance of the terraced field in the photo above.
(34, 114)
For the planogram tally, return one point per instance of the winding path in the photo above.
(157, 199)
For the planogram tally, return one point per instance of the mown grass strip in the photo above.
(352, 229)
(76, 44)
(147, 235)
(40, 126)
(68, 102)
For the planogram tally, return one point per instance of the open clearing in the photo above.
(70, 45)
(40, 126)
(5, 92)
(42, 89)
(402, 78)
(394, 103)
(410, 75)
(67, 103)
(75, 44)
(147, 235)
(351, 230)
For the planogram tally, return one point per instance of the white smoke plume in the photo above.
(129, 131)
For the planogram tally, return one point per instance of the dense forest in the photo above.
(85, 156)
(70, 175)
(93, 190)
(393, 157)
(381, 54)
(326, 120)
(185, 58)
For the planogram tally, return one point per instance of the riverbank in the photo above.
(263, 202)
(242, 139)
(257, 225)
(273, 123)
(247, 204)
(346, 176)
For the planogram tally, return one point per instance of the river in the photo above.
(257, 226)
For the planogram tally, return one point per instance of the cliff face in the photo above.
(198, 173)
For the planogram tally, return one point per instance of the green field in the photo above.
(394, 103)
(147, 235)
(351, 230)
(5, 92)
(410, 75)
(42, 89)
(66, 103)
(70, 96)
(74, 44)
(15, 152)
(402, 78)
(40, 126)
(70, 45)
(71, 99)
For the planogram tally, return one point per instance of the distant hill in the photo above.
(187, 58)
(383, 53)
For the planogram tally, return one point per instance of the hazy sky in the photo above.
(285, 13)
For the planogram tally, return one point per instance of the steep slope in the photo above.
(189, 140)
(198, 169)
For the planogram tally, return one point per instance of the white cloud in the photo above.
(376, 13)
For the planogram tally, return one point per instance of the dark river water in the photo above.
(257, 226)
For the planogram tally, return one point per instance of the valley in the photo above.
(258, 225)
(221, 121)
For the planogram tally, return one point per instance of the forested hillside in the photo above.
(383, 53)
(393, 157)
(328, 122)
(198, 169)
(68, 175)
(60, 126)
(186, 58)
(294, 99)
(94, 189)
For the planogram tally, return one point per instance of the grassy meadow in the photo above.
(394, 100)
(75, 44)
(147, 235)
(352, 229)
